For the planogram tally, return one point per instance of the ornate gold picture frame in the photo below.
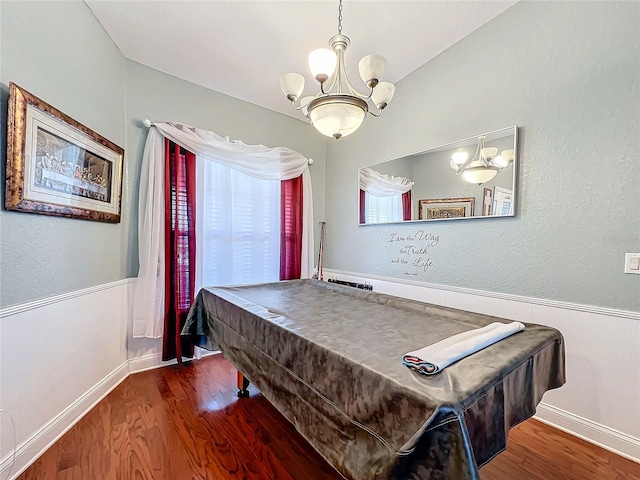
(57, 166)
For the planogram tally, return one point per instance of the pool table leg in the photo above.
(243, 384)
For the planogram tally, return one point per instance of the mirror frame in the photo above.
(469, 140)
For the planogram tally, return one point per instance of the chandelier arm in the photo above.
(481, 157)
(303, 105)
(376, 114)
(299, 107)
(355, 92)
(343, 74)
(333, 80)
(470, 160)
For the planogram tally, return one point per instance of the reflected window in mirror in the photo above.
(384, 198)
(470, 178)
(382, 209)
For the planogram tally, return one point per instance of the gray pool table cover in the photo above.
(329, 358)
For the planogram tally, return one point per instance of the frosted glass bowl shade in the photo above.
(372, 67)
(382, 94)
(479, 174)
(489, 152)
(337, 115)
(292, 85)
(322, 63)
(500, 161)
(458, 158)
(508, 155)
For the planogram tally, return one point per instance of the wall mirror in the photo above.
(470, 178)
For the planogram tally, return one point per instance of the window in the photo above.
(238, 227)
(382, 209)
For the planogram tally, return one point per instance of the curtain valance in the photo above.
(382, 185)
(268, 163)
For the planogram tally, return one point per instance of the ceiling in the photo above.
(241, 48)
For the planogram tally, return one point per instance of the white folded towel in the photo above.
(432, 359)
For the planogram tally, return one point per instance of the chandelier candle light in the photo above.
(336, 111)
(483, 166)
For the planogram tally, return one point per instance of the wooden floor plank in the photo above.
(186, 423)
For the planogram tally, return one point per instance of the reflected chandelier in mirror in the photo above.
(470, 178)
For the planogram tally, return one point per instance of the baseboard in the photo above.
(148, 362)
(28, 451)
(592, 432)
(154, 360)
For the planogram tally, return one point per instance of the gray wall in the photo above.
(59, 52)
(567, 74)
(400, 167)
(161, 97)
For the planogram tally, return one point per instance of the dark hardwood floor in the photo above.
(185, 422)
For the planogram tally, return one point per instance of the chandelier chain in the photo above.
(340, 18)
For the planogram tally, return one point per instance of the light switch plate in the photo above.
(632, 263)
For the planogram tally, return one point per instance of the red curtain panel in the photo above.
(291, 228)
(180, 248)
(406, 205)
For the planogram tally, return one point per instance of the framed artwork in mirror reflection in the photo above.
(441, 208)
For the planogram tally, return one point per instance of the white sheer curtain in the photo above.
(254, 160)
(382, 185)
(238, 225)
(382, 209)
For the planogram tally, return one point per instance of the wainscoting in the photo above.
(60, 356)
(599, 402)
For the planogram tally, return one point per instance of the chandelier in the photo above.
(483, 166)
(338, 109)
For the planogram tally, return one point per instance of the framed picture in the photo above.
(57, 166)
(487, 203)
(439, 208)
(502, 201)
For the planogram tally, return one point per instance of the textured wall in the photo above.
(567, 74)
(161, 97)
(59, 52)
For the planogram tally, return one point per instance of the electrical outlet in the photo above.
(632, 263)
